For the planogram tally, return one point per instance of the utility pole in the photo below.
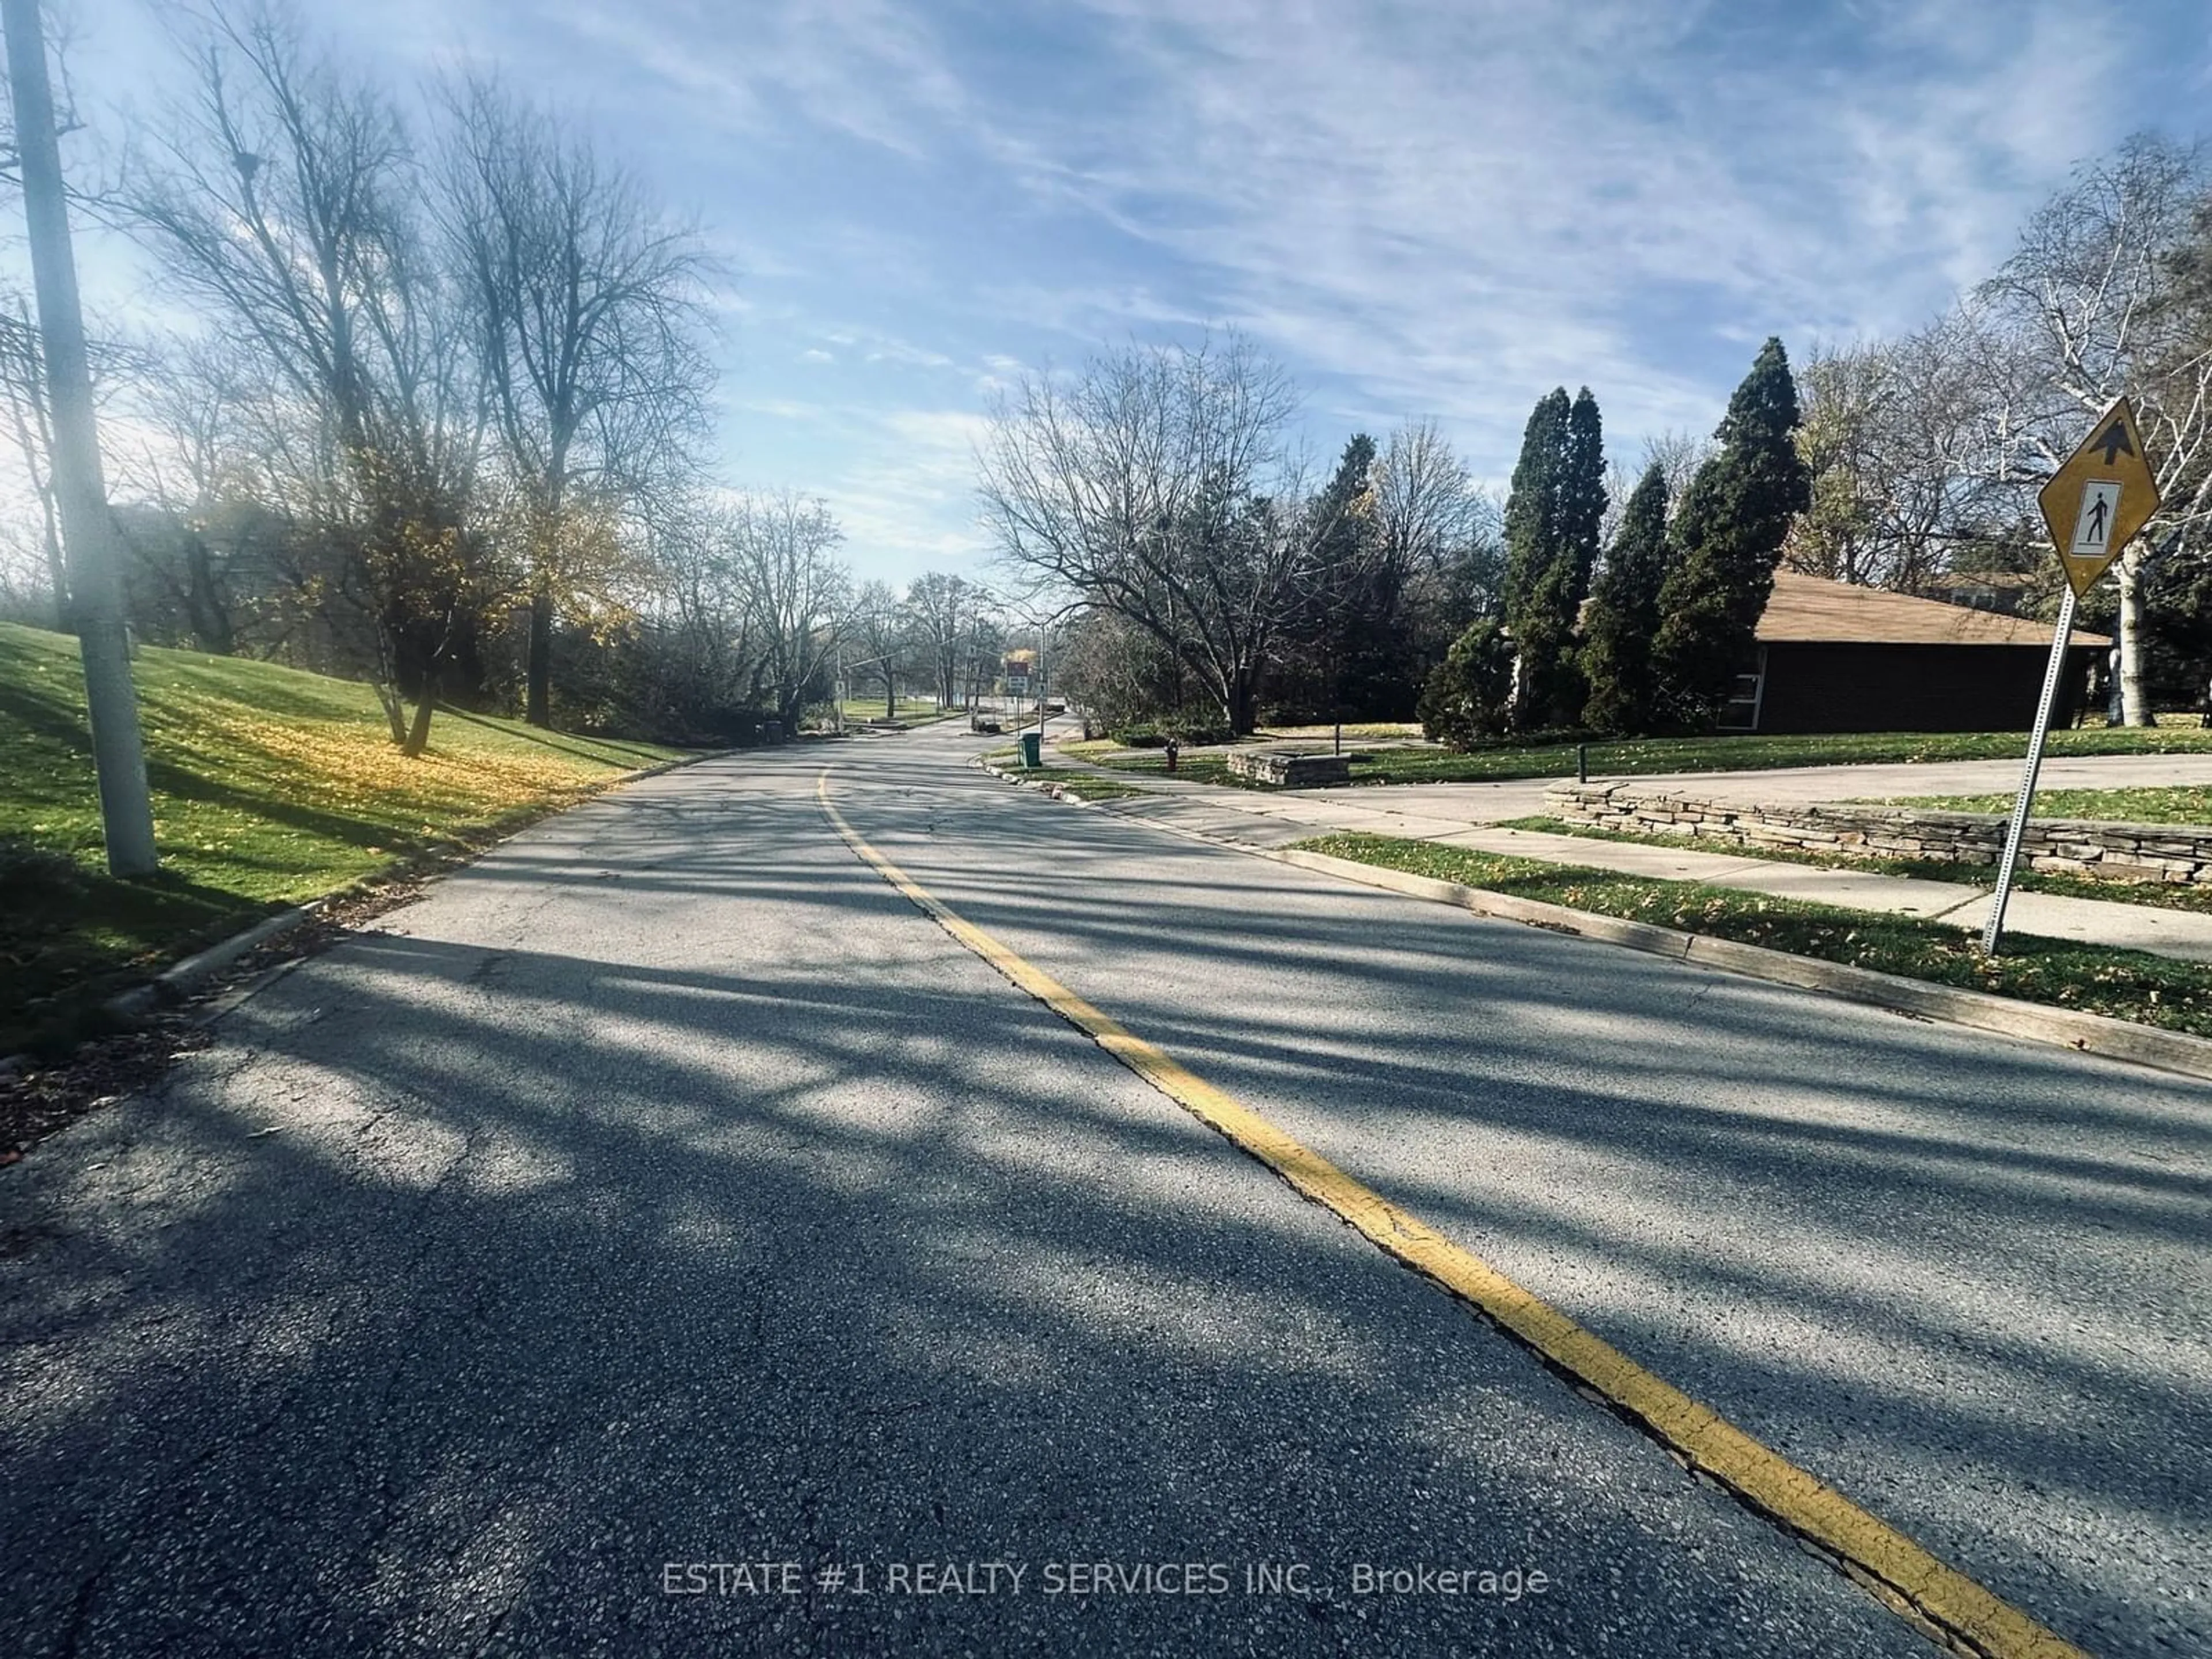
(88, 532)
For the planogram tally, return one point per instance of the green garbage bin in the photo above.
(1032, 749)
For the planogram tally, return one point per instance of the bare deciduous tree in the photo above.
(283, 203)
(938, 606)
(186, 401)
(1437, 525)
(1426, 505)
(2096, 298)
(877, 628)
(29, 422)
(1897, 436)
(584, 297)
(782, 546)
(23, 391)
(1157, 484)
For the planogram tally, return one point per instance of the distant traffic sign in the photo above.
(2096, 503)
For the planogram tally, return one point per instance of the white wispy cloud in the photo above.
(1425, 206)
(1453, 207)
(908, 500)
(866, 67)
(900, 481)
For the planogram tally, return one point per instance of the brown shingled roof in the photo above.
(1991, 579)
(1806, 608)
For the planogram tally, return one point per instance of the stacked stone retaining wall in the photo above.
(1288, 771)
(2112, 852)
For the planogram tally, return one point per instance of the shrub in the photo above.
(1154, 734)
(1469, 696)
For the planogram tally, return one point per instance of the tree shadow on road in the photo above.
(470, 1279)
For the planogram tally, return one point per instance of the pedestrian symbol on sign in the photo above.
(2099, 500)
(2092, 527)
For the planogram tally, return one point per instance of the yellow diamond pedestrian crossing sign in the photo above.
(2095, 503)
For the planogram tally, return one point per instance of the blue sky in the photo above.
(1421, 208)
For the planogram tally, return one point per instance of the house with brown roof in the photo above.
(1836, 658)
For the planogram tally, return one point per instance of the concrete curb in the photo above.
(178, 980)
(1916, 999)
(2034, 1022)
(1042, 786)
(174, 983)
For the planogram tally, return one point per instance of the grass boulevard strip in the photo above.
(2180, 803)
(1081, 786)
(2159, 895)
(1945, 1602)
(2130, 985)
(2118, 984)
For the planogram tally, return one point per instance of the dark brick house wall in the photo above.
(1823, 687)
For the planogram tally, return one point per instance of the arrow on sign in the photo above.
(2095, 504)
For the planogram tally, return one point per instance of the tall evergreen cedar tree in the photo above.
(1531, 509)
(1623, 614)
(1341, 632)
(1728, 539)
(1552, 526)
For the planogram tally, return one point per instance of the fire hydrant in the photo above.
(1174, 749)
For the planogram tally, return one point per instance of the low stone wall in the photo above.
(2112, 852)
(1288, 771)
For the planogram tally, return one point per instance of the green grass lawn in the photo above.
(1644, 756)
(1089, 786)
(1085, 786)
(271, 786)
(2179, 804)
(2125, 984)
(2162, 895)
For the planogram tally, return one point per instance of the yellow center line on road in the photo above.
(1902, 1574)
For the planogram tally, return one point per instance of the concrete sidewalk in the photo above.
(2183, 933)
(1465, 815)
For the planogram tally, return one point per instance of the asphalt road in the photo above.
(665, 1188)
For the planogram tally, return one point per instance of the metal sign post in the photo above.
(2051, 676)
(2093, 506)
